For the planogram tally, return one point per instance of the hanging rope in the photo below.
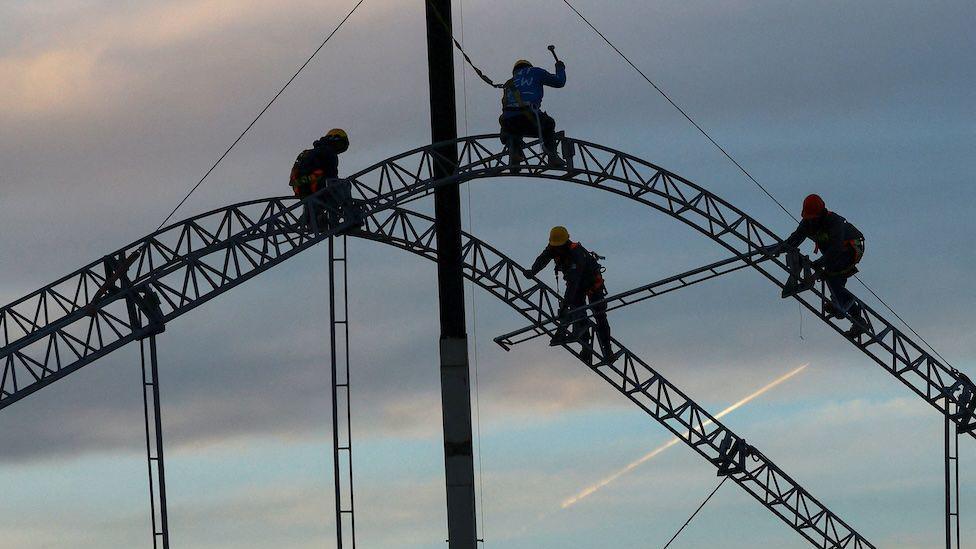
(741, 168)
(460, 48)
(260, 114)
(675, 536)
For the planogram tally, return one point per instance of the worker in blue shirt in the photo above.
(521, 108)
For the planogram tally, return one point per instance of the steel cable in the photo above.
(740, 167)
(675, 536)
(260, 114)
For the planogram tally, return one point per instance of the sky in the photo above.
(110, 111)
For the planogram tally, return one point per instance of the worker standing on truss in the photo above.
(583, 275)
(521, 108)
(318, 168)
(842, 246)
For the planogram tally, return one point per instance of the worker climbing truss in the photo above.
(79, 318)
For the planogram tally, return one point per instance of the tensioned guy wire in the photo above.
(741, 168)
(675, 536)
(474, 298)
(260, 114)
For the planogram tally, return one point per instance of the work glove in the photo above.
(527, 273)
(560, 65)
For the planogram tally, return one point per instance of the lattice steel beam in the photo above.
(195, 260)
(636, 295)
(635, 379)
(204, 272)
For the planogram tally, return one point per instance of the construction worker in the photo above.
(582, 273)
(521, 108)
(842, 246)
(318, 168)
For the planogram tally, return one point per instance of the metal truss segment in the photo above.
(256, 229)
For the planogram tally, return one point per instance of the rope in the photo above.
(740, 167)
(675, 536)
(260, 114)
(460, 48)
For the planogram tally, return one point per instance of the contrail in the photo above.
(590, 490)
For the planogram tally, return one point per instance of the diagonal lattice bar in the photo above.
(635, 295)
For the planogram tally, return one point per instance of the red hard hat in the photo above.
(813, 206)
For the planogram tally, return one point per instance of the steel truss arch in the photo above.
(491, 270)
(188, 263)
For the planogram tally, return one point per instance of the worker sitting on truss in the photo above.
(842, 246)
(583, 275)
(521, 109)
(318, 168)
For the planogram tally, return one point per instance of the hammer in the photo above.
(552, 50)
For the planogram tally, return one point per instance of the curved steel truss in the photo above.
(70, 322)
(134, 292)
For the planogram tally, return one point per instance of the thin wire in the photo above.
(682, 111)
(474, 301)
(460, 48)
(742, 169)
(668, 544)
(918, 335)
(260, 114)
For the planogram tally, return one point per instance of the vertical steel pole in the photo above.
(455, 376)
(154, 445)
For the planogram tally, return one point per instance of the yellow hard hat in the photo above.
(338, 136)
(521, 63)
(558, 236)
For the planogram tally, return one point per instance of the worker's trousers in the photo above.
(525, 124)
(576, 299)
(838, 270)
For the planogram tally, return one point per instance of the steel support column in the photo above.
(154, 443)
(341, 412)
(455, 377)
(951, 484)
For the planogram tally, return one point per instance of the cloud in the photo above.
(110, 113)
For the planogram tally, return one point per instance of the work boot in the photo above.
(586, 355)
(832, 311)
(515, 156)
(563, 339)
(855, 332)
(553, 160)
(609, 357)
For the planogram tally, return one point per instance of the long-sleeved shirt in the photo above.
(577, 265)
(526, 88)
(829, 232)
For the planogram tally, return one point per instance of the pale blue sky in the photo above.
(110, 111)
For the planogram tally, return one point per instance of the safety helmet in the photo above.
(338, 138)
(520, 64)
(813, 207)
(558, 236)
